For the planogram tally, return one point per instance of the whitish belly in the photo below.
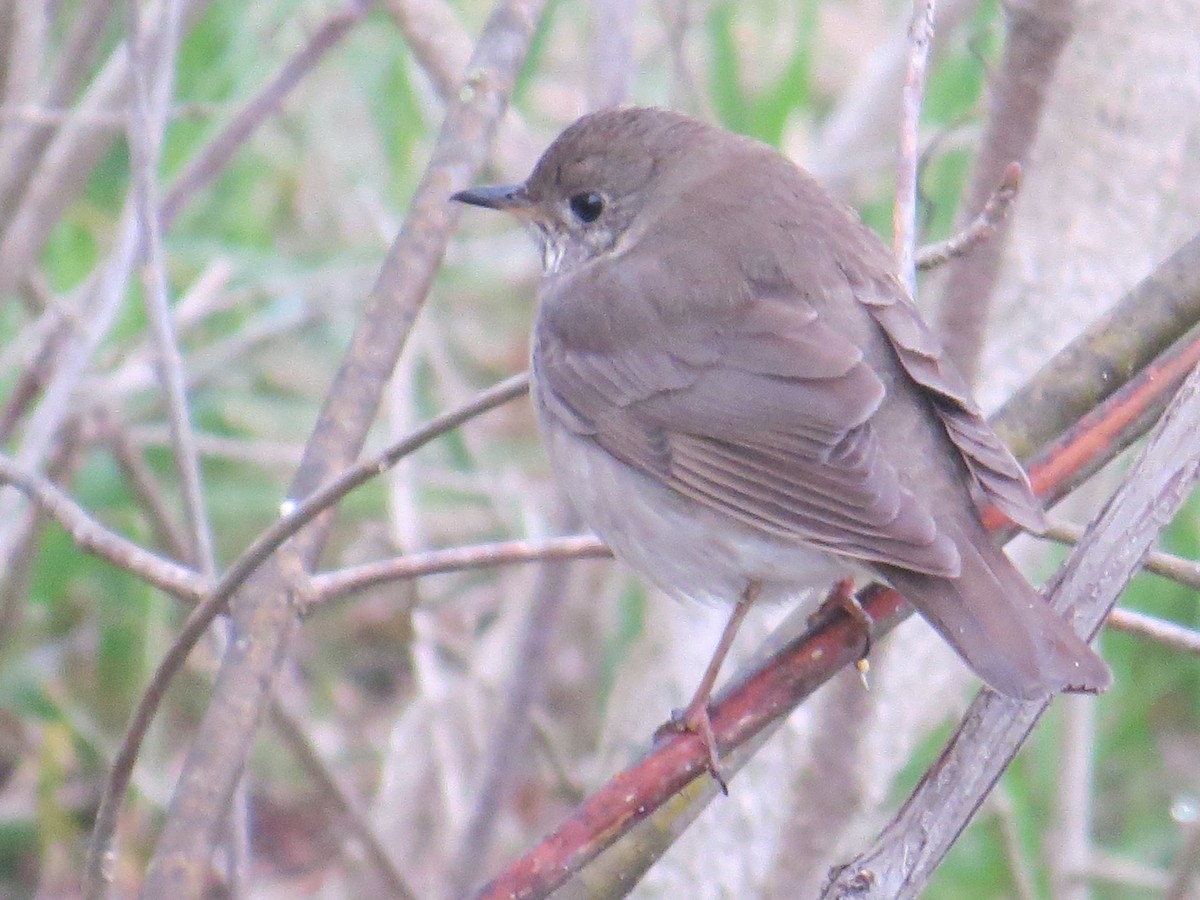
(683, 548)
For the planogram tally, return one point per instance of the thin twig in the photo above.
(68, 160)
(904, 215)
(1186, 864)
(438, 40)
(267, 612)
(441, 45)
(1125, 873)
(1169, 634)
(63, 169)
(14, 592)
(260, 452)
(327, 587)
(858, 135)
(1073, 798)
(36, 114)
(215, 155)
(1176, 568)
(151, 90)
(512, 724)
(611, 67)
(1001, 804)
(169, 536)
(28, 25)
(21, 145)
(336, 798)
(981, 229)
(92, 537)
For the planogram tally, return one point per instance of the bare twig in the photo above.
(859, 132)
(14, 593)
(1169, 634)
(103, 293)
(1124, 873)
(92, 537)
(904, 215)
(1001, 805)
(152, 87)
(512, 724)
(442, 47)
(981, 229)
(27, 49)
(1164, 305)
(21, 145)
(168, 535)
(267, 610)
(437, 39)
(1073, 800)
(611, 67)
(63, 169)
(215, 155)
(49, 335)
(338, 799)
(1182, 571)
(331, 586)
(1185, 866)
(259, 451)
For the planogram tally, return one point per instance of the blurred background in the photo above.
(400, 693)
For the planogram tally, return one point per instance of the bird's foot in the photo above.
(842, 597)
(694, 719)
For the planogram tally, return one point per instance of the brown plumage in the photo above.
(735, 388)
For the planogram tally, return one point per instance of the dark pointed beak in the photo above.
(510, 197)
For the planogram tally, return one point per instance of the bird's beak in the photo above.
(509, 197)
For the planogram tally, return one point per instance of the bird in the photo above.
(744, 403)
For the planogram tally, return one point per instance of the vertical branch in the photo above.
(904, 215)
(611, 65)
(152, 80)
(22, 143)
(212, 158)
(1038, 30)
(25, 52)
(1074, 800)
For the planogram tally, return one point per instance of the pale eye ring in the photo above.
(587, 206)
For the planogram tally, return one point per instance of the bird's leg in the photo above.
(694, 717)
(842, 597)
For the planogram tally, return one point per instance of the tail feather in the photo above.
(1001, 626)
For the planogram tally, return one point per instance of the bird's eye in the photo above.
(587, 206)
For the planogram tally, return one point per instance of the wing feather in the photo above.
(765, 418)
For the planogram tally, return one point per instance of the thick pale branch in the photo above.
(1037, 32)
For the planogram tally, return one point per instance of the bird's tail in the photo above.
(1001, 626)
